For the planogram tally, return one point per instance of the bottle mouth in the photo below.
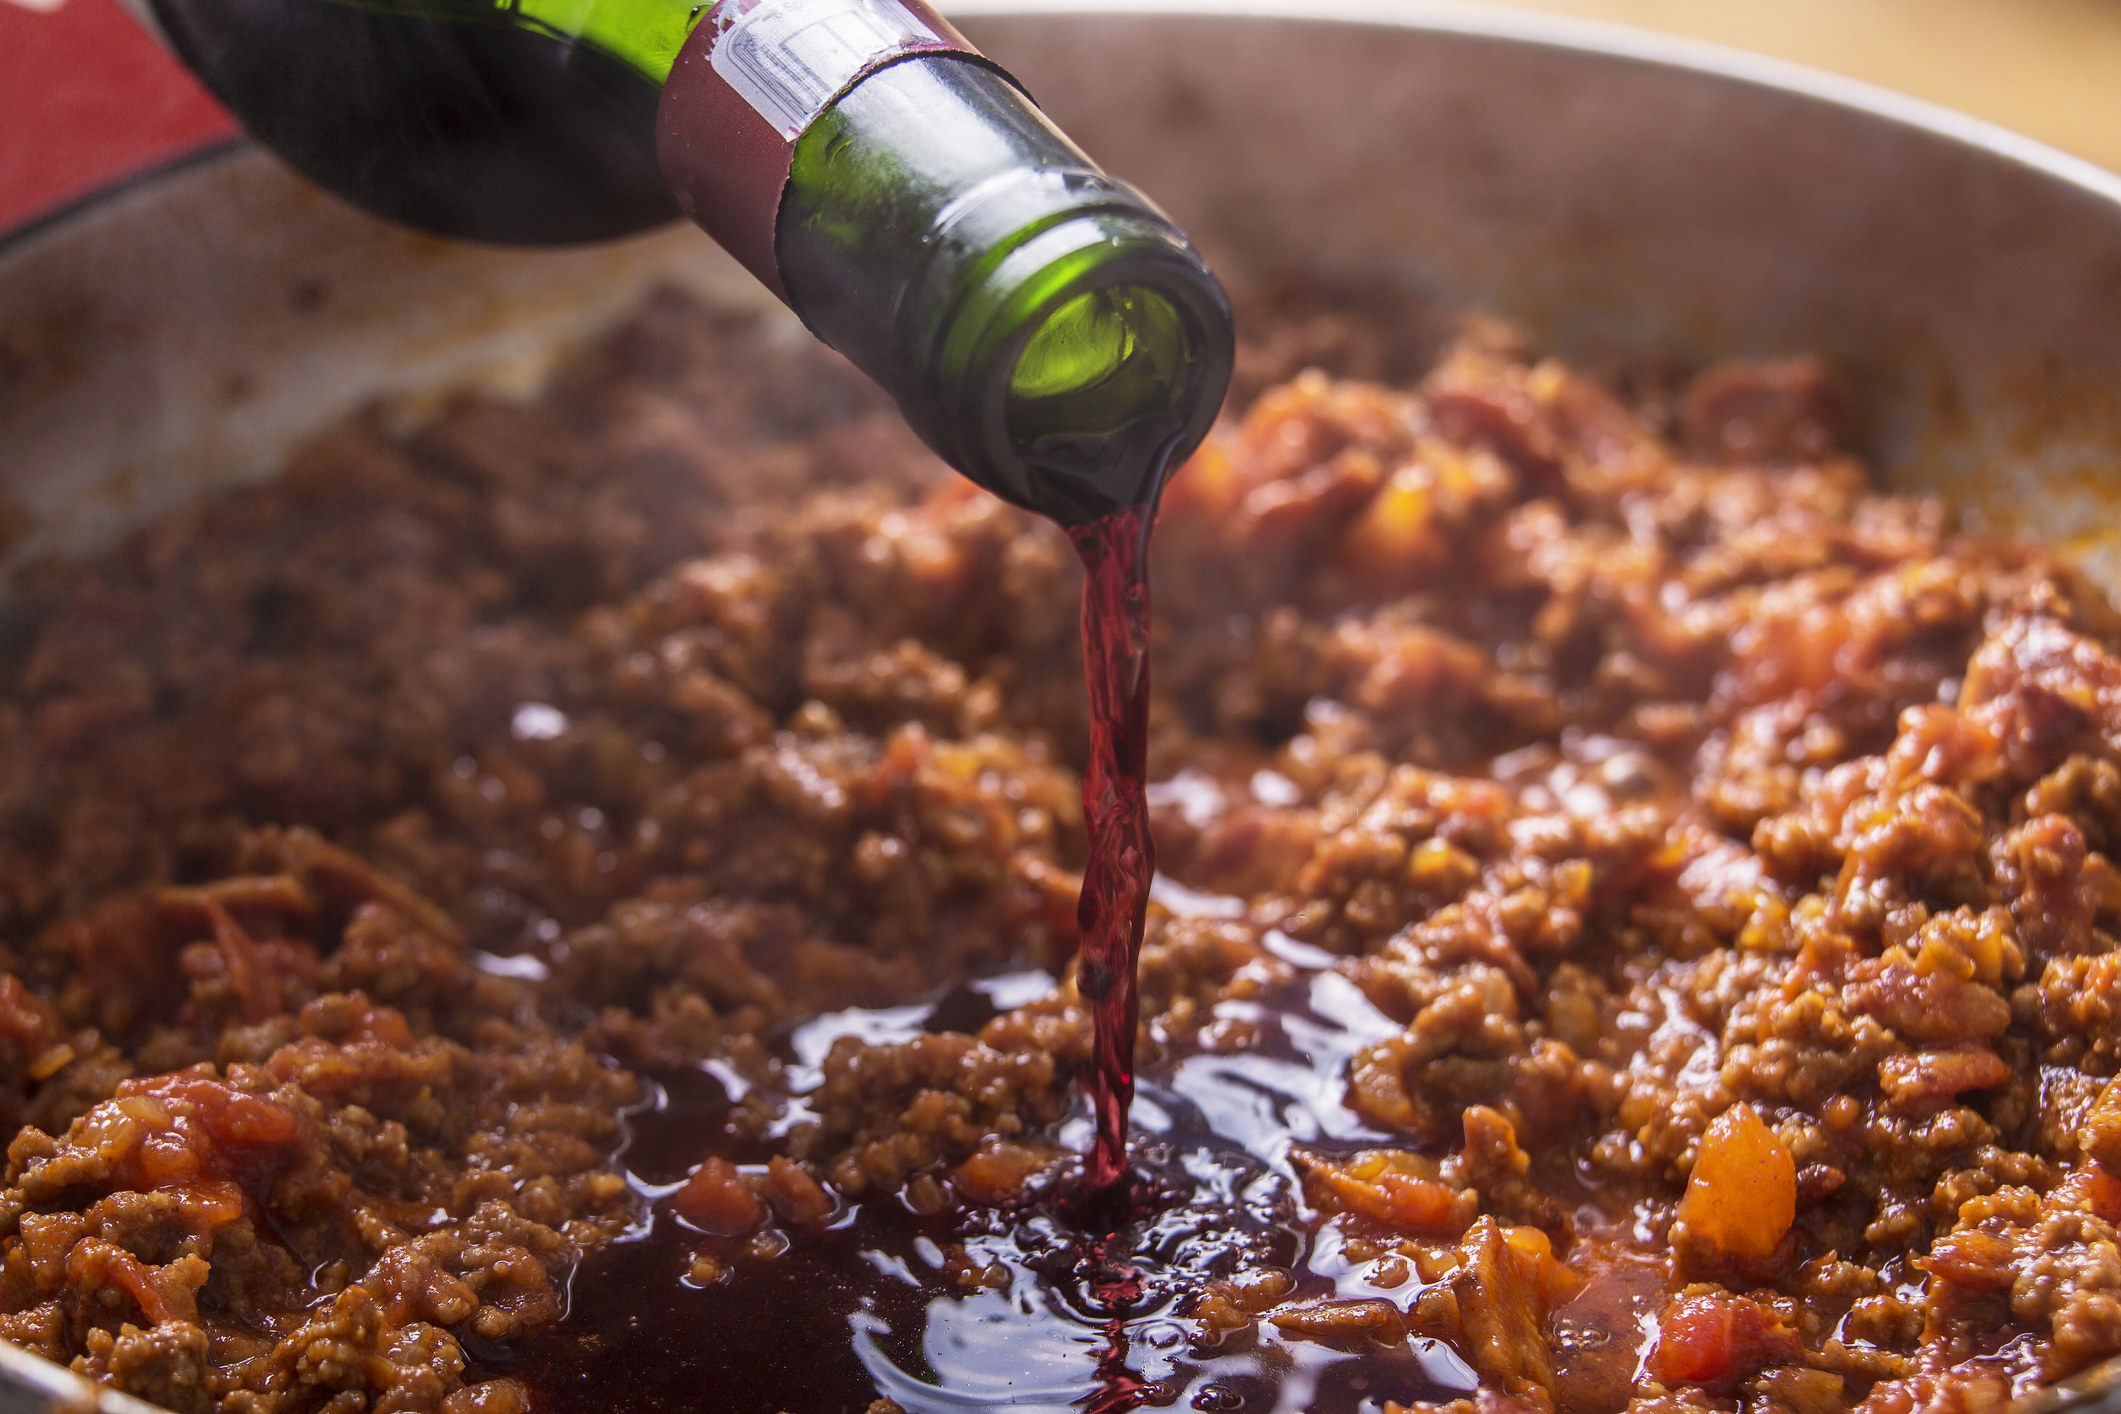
(1085, 362)
(1101, 362)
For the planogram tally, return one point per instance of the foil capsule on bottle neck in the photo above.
(749, 81)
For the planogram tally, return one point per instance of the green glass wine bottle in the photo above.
(1042, 325)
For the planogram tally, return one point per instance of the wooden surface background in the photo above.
(2048, 68)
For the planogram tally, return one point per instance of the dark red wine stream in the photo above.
(1122, 860)
(1086, 1277)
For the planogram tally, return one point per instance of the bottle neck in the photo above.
(1042, 326)
(751, 79)
(1073, 360)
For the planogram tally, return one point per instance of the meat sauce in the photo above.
(577, 908)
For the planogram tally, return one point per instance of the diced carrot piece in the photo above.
(1742, 1195)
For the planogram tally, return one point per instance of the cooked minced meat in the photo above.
(1721, 843)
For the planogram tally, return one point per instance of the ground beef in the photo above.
(1726, 843)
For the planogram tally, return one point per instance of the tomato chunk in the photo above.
(717, 1200)
(1714, 1341)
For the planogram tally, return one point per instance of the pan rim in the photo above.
(1631, 44)
(86, 204)
(1461, 19)
(1449, 19)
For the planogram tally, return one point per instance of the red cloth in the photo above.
(86, 98)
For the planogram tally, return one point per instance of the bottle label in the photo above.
(752, 76)
(790, 58)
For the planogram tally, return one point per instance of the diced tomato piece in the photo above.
(717, 1200)
(1714, 1341)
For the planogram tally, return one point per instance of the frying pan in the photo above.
(1615, 194)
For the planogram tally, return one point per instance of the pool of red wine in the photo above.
(1074, 1296)
(1082, 1309)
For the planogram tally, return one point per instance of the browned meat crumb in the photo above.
(1728, 842)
